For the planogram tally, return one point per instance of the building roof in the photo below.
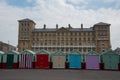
(44, 30)
(27, 52)
(102, 23)
(67, 28)
(6, 44)
(42, 52)
(1, 52)
(12, 52)
(54, 29)
(109, 52)
(58, 53)
(26, 19)
(75, 52)
(117, 50)
(92, 53)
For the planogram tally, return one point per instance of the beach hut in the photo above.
(119, 63)
(92, 60)
(26, 59)
(1, 58)
(58, 59)
(10, 59)
(42, 59)
(75, 59)
(110, 60)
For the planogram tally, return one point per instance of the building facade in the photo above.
(96, 38)
(5, 47)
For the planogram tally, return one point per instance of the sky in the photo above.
(61, 12)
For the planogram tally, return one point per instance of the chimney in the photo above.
(69, 26)
(81, 26)
(56, 26)
(44, 26)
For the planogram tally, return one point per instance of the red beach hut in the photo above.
(1, 58)
(42, 59)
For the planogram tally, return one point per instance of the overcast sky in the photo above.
(62, 12)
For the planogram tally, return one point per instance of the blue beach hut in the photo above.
(75, 59)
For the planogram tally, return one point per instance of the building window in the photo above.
(79, 39)
(45, 34)
(84, 33)
(67, 49)
(75, 39)
(62, 34)
(79, 34)
(67, 39)
(66, 43)
(54, 34)
(88, 33)
(23, 43)
(23, 49)
(79, 43)
(45, 43)
(37, 39)
(88, 39)
(58, 43)
(41, 34)
(84, 39)
(102, 42)
(33, 44)
(62, 39)
(58, 34)
(22, 24)
(102, 50)
(84, 49)
(41, 43)
(71, 49)
(66, 34)
(75, 34)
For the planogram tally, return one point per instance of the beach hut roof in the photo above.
(1, 52)
(42, 52)
(27, 52)
(92, 53)
(58, 53)
(75, 52)
(109, 52)
(12, 52)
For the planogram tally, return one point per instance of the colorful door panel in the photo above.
(58, 62)
(92, 62)
(114, 62)
(42, 61)
(111, 62)
(75, 61)
(10, 59)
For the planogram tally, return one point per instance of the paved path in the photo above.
(40, 74)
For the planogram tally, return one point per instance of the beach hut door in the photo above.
(10, 61)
